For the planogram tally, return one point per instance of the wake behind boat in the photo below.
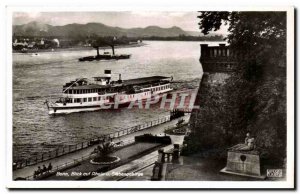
(85, 95)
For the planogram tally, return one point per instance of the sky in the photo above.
(125, 19)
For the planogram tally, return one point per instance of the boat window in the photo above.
(94, 98)
(77, 100)
(84, 99)
(90, 99)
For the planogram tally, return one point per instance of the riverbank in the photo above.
(71, 157)
(78, 48)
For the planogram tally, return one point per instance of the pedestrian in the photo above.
(50, 167)
(39, 170)
(44, 168)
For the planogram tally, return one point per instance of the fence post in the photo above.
(56, 152)
(63, 151)
(42, 156)
(82, 145)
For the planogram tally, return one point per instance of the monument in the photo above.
(244, 160)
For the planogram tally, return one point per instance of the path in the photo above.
(28, 171)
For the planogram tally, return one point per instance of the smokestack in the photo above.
(107, 73)
(120, 78)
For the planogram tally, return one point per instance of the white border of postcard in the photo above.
(289, 183)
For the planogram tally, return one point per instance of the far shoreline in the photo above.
(79, 48)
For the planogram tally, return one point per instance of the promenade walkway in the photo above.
(28, 171)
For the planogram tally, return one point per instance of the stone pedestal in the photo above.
(243, 163)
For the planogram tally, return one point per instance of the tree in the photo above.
(258, 37)
(255, 95)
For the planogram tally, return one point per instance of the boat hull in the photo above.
(59, 108)
(104, 57)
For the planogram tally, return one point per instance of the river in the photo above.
(37, 78)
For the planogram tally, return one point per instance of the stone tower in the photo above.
(218, 63)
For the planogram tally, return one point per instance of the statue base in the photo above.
(243, 163)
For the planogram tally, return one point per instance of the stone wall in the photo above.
(207, 130)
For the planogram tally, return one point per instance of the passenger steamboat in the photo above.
(85, 95)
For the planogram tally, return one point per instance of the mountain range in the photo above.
(84, 30)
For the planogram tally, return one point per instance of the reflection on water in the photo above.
(38, 78)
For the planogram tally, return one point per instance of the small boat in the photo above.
(85, 95)
(35, 54)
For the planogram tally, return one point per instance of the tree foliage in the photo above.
(254, 97)
(259, 38)
(104, 150)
